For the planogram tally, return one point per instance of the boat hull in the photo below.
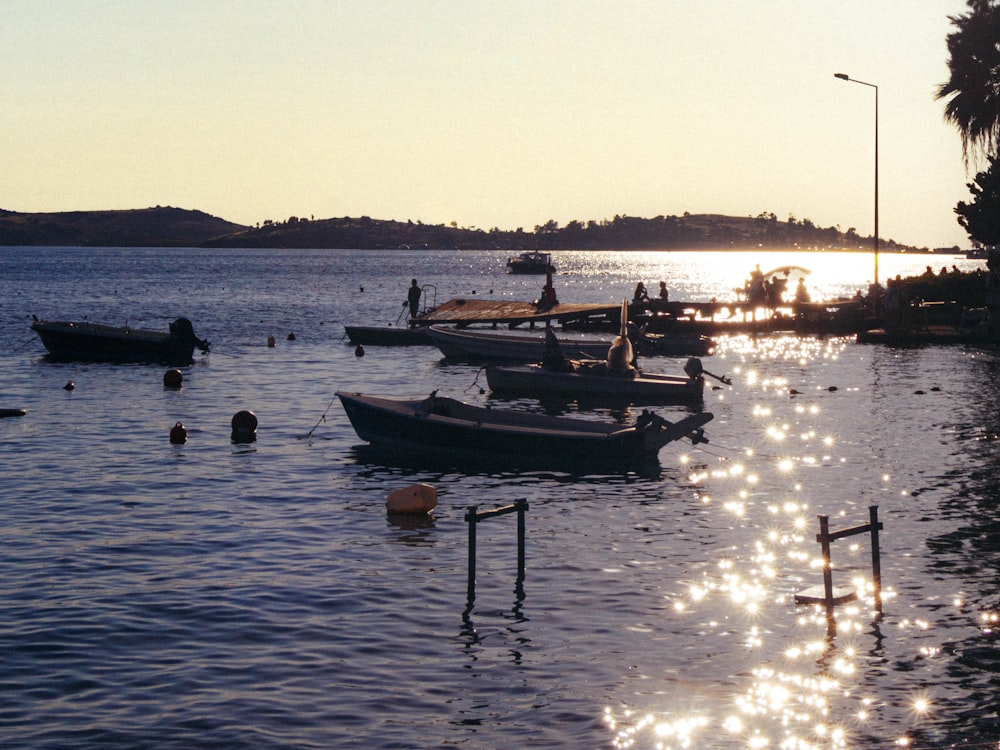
(473, 345)
(446, 430)
(93, 342)
(645, 388)
(387, 336)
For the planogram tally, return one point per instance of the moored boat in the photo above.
(93, 342)
(534, 262)
(388, 335)
(444, 429)
(483, 345)
(592, 380)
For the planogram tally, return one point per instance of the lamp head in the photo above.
(842, 76)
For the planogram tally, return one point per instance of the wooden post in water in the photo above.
(473, 517)
(876, 556)
(824, 540)
(831, 597)
(522, 506)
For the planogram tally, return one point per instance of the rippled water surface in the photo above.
(220, 595)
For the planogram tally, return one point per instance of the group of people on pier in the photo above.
(770, 293)
(759, 291)
(641, 296)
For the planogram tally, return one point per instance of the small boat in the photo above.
(534, 262)
(93, 342)
(489, 346)
(388, 335)
(591, 379)
(440, 429)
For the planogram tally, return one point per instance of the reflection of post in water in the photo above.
(473, 518)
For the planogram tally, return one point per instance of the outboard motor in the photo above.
(693, 368)
(182, 330)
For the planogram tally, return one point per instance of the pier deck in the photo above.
(462, 312)
(705, 318)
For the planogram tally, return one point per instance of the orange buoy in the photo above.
(417, 498)
(173, 378)
(178, 434)
(270, 342)
(244, 424)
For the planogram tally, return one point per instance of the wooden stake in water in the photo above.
(473, 518)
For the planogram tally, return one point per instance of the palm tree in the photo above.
(973, 90)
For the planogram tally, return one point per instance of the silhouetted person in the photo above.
(413, 297)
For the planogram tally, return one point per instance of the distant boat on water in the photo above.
(534, 262)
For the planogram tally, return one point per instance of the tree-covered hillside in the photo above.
(690, 231)
(144, 227)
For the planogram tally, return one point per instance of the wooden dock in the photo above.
(463, 312)
(841, 317)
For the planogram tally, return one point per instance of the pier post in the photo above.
(876, 556)
(473, 517)
(824, 539)
(522, 506)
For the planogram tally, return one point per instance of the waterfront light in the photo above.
(845, 77)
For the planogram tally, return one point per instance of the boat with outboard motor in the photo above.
(93, 342)
(440, 429)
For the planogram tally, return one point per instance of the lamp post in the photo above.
(845, 77)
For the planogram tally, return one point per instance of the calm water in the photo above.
(258, 596)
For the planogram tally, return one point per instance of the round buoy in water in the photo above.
(178, 434)
(173, 378)
(417, 498)
(270, 342)
(70, 385)
(359, 351)
(290, 337)
(244, 426)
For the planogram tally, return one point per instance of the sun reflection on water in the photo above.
(801, 686)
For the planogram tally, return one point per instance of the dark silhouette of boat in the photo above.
(437, 428)
(93, 342)
(531, 262)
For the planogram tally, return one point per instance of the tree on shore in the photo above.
(972, 105)
(981, 217)
(972, 92)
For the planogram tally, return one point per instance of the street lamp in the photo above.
(845, 77)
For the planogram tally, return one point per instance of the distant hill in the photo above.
(175, 227)
(144, 227)
(690, 231)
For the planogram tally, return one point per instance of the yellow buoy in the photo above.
(417, 498)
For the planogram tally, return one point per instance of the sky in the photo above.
(489, 114)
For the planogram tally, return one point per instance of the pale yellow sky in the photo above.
(503, 114)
